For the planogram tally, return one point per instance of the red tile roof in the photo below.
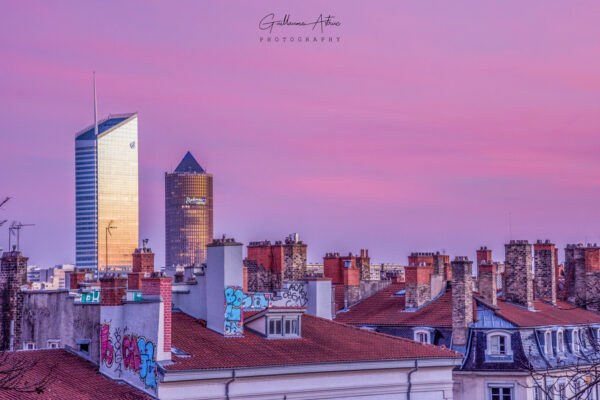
(546, 314)
(322, 341)
(71, 377)
(385, 308)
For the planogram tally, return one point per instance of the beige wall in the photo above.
(428, 383)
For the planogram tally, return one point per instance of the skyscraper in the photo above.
(106, 190)
(188, 213)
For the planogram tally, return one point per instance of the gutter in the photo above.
(340, 366)
(228, 383)
(415, 369)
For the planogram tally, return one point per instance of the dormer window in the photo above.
(277, 323)
(498, 347)
(422, 335)
(576, 346)
(560, 341)
(548, 342)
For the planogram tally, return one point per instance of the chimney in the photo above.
(75, 277)
(484, 255)
(545, 270)
(143, 260)
(224, 280)
(142, 266)
(112, 290)
(157, 284)
(13, 277)
(462, 299)
(518, 273)
(487, 280)
(418, 286)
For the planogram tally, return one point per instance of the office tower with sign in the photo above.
(106, 193)
(188, 213)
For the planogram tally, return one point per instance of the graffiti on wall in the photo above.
(124, 351)
(294, 295)
(234, 318)
(256, 300)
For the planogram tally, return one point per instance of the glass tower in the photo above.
(188, 213)
(106, 194)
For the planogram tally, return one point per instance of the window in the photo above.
(29, 346)
(498, 347)
(548, 342)
(562, 391)
(422, 335)
(282, 326)
(500, 393)
(53, 343)
(560, 341)
(576, 343)
(291, 326)
(274, 326)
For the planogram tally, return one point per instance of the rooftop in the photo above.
(322, 341)
(546, 314)
(189, 164)
(386, 307)
(103, 126)
(71, 377)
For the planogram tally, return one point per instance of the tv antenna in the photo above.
(16, 227)
(108, 228)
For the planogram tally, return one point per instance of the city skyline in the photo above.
(419, 138)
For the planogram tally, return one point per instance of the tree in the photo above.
(2, 203)
(18, 373)
(575, 372)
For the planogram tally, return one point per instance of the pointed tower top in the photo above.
(189, 164)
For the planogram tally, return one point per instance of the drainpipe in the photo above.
(228, 382)
(415, 369)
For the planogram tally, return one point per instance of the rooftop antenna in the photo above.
(95, 108)
(16, 227)
(108, 228)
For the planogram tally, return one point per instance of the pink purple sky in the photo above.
(422, 129)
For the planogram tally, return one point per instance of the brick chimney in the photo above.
(159, 284)
(13, 277)
(112, 289)
(487, 280)
(143, 260)
(484, 256)
(75, 277)
(545, 270)
(462, 299)
(418, 285)
(518, 273)
(142, 266)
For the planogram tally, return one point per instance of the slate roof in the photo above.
(323, 341)
(72, 378)
(387, 308)
(189, 164)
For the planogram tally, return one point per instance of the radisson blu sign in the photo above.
(195, 200)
